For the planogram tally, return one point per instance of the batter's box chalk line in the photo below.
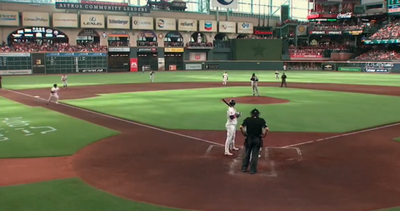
(298, 152)
(266, 167)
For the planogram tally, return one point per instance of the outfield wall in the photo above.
(56, 63)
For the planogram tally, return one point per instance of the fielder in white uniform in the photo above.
(277, 76)
(53, 94)
(152, 73)
(230, 125)
(224, 78)
(64, 79)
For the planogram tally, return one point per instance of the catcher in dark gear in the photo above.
(254, 129)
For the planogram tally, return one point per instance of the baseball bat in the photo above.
(223, 100)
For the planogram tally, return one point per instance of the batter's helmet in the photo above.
(232, 102)
(255, 112)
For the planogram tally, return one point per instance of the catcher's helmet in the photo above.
(255, 112)
(232, 102)
(55, 85)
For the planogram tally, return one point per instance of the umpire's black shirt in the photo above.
(254, 126)
(284, 77)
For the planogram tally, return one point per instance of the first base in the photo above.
(37, 96)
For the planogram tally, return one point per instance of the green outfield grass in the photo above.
(37, 132)
(397, 139)
(66, 195)
(202, 109)
(42, 81)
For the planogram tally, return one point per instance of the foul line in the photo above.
(120, 119)
(203, 140)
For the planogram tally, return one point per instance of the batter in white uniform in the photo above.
(230, 125)
(64, 79)
(224, 78)
(53, 94)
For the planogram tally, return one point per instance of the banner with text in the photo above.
(194, 56)
(35, 19)
(145, 23)
(227, 27)
(207, 26)
(118, 22)
(9, 18)
(15, 72)
(67, 20)
(245, 28)
(166, 24)
(305, 56)
(134, 65)
(92, 21)
(189, 25)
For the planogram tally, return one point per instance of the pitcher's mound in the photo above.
(257, 100)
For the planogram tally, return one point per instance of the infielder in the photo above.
(64, 80)
(152, 73)
(284, 67)
(53, 94)
(224, 78)
(254, 85)
(230, 125)
(277, 75)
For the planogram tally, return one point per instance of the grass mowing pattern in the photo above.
(202, 109)
(45, 81)
(66, 195)
(71, 134)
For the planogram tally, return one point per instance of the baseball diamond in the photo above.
(152, 146)
(206, 105)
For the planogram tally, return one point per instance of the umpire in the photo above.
(1, 78)
(254, 129)
(284, 77)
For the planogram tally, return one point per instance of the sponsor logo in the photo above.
(36, 19)
(193, 67)
(92, 22)
(161, 23)
(8, 17)
(317, 32)
(65, 19)
(187, 24)
(139, 22)
(208, 25)
(245, 25)
(91, 70)
(344, 16)
(121, 22)
(224, 26)
(334, 32)
(225, 2)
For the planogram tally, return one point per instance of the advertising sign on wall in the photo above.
(91, 70)
(9, 18)
(92, 21)
(382, 67)
(245, 28)
(67, 20)
(166, 24)
(101, 7)
(161, 64)
(227, 27)
(134, 65)
(349, 69)
(231, 4)
(193, 67)
(200, 56)
(118, 22)
(35, 19)
(187, 25)
(142, 23)
(173, 50)
(207, 26)
(15, 72)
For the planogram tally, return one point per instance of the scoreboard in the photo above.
(15, 61)
(76, 62)
(393, 6)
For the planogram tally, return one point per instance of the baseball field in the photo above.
(117, 142)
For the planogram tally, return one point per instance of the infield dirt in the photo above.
(353, 172)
